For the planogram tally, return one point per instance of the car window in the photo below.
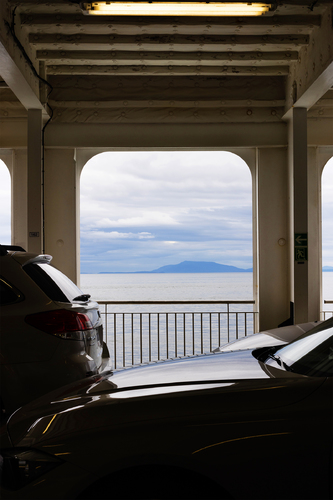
(310, 355)
(8, 295)
(53, 282)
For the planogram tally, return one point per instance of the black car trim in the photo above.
(4, 249)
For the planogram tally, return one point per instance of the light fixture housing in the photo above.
(182, 8)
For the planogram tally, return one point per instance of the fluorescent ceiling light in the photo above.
(123, 8)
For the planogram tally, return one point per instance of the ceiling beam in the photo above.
(311, 76)
(156, 103)
(314, 92)
(101, 88)
(168, 70)
(75, 22)
(32, 3)
(18, 82)
(167, 114)
(164, 57)
(166, 42)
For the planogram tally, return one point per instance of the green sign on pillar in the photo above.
(301, 247)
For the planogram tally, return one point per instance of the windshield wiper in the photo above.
(276, 358)
(82, 298)
(280, 362)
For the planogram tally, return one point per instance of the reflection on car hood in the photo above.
(240, 365)
(274, 337)
(172, 388)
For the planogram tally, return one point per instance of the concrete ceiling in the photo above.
(91, 69)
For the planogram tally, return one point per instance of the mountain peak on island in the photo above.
(188, 266)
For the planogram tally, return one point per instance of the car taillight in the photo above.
(63, 323)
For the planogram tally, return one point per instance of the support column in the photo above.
(314, 236)
(273, 241)
(35, 195)
(62, 220)
(300, 170)
(19, 199)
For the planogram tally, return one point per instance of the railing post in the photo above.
(149, 326)
(184, 331)
(228, 314)
(141, 338)
(193, 337)
(124, 358)
(167, 333)
(132, 337)
(158, 336)
(176, 350)
(115, 339)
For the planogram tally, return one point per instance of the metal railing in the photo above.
(327, 314)
(145, 334)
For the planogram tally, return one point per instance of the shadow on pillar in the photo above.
(291, 319)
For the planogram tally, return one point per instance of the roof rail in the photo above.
(4, 249)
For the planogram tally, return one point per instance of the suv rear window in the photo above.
(53, 282)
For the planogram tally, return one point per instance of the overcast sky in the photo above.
(144, 210)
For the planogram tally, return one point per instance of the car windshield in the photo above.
(311, 354)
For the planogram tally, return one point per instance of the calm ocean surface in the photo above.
(187, 286)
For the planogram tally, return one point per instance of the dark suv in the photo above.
(50, 332)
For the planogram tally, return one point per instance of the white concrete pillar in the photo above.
(20, 198)
(62, 219)
(35, 195)
(273, 241)
(314, 236)
(300, 216)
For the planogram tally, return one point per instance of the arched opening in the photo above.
(5, 212)
(327, 237)
(141, 212)
(144, 210)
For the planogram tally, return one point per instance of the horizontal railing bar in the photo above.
(180, 312)
(328, 301)
(184, 302)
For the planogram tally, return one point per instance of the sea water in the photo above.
(173, 286)
(182, 286)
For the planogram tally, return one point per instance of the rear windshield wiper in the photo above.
(280, 362)
(82, 298)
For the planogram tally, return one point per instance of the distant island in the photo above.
(189, 266)
(327, 269)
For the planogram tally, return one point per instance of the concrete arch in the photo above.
(273, 234)
(270, 208)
